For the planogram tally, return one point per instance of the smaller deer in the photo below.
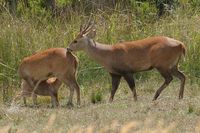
(45, 88)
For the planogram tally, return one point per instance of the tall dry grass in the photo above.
(133, 126)
(115, 127)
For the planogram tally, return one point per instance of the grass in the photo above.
(167, 113)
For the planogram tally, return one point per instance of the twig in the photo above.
(93, 68)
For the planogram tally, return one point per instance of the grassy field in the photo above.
(34, 31)
(167, 114)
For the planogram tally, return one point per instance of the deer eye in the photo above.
(75, 41)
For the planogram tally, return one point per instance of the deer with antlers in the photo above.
(126, 58)
(57, 62)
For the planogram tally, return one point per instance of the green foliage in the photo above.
(36, 9)
(96, 96)
(62, 3)
(190, 109)
(193, 109)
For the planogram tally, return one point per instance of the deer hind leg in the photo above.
(181, 76)
(54, 100)
(115, 84)
(34, 98)
(168, 78)
(130, 80)
(24, 99)
(30, 82)
(33, 95)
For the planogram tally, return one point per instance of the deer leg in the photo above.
(70, 102)
(181, 76)
(24, 99)
(130, 80)
(115, 84)
(33, 87)
(168, 78)
(34, 98)
(76, 87)
(54, 100)
(30, 82)
(71, 88)
(70, 81)
(57, 102)
(36, 86)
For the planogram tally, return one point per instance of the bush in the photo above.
(96, 97)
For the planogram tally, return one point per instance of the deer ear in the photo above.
(91, 34)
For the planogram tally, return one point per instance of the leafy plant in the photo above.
(96, 97)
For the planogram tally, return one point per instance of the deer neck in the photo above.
(99, 52)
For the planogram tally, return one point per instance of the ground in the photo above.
(167, 114)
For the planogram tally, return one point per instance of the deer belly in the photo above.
(120, 70)
(140, 65)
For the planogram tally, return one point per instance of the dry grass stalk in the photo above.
(50, 123)
(197, 129)
(127, 127)
(5, 129)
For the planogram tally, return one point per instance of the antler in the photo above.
(89, 25)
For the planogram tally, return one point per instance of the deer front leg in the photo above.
(115, 85)
(54, 100)
(34, 98)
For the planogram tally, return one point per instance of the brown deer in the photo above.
(57, 62)
(45, 88)
(126, 58)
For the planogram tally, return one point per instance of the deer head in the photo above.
(83, 38)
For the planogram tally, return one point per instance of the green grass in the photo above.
(20, 37)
